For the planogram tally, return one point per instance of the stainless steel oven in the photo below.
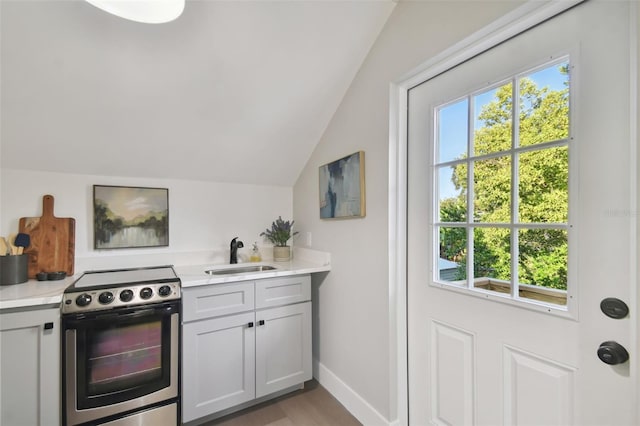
(121, 348)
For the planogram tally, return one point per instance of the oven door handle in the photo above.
(136, 314)
(130, 314)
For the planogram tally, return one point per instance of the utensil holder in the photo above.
(14, 269)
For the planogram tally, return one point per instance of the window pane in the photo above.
(453, 131)
(453, 205)
(452, 260)
(492, 190)
(493, 120)
(544, 105)
(492, 253)
(543, 186)
(492, 258)
(542, 264)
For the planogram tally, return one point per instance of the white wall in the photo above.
(203, 216)
(352, 324)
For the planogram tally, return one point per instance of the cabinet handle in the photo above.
(250, 325)
(261, 322)
(48, 326)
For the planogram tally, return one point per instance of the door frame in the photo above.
(519, 20)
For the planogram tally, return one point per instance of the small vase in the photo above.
(281, 254)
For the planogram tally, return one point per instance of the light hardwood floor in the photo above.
(311, 406)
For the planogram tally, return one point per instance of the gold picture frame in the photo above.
(130, 217)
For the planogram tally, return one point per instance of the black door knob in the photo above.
(612, 353)
(614, 308)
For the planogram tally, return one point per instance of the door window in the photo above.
(501, 173)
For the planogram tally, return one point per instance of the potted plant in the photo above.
(280, 233)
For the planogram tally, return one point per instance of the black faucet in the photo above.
(235, 245)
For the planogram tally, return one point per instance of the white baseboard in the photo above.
(353, 402)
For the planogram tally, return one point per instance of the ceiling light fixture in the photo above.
(147, 11)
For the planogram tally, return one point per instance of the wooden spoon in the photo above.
(12, 246)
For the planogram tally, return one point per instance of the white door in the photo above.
(490, 341)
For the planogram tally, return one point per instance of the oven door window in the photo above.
(123, 357)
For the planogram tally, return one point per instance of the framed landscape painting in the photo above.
(129, 217)
(342, 192)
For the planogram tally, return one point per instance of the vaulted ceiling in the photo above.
(232, 91)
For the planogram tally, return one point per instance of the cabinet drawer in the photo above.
(216, 300)
(283, 291)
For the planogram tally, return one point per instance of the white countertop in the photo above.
(194, 275)
(34, 293)
(40, 293)
(304, 262)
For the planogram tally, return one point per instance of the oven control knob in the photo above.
(83, 300)
(126, 295)
(146, 293)
(105, 297)
(164, 291)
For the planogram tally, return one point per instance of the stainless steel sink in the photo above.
(240, 270)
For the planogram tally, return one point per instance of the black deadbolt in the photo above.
(612, 353)
(614, 308)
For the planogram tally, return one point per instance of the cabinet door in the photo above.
(218, 364)
(283, 347)
(30, 367)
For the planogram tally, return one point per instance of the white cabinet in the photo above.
(30, 367)
(283, 347)
(243, 341)
(218, 364)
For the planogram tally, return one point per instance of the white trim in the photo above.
(354, 403)
(527, 16)
(398, 380)
(634, 207)
(519, 20)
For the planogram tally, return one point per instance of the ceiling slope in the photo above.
(232, 91)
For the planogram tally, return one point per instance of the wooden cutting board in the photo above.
(53, 241)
